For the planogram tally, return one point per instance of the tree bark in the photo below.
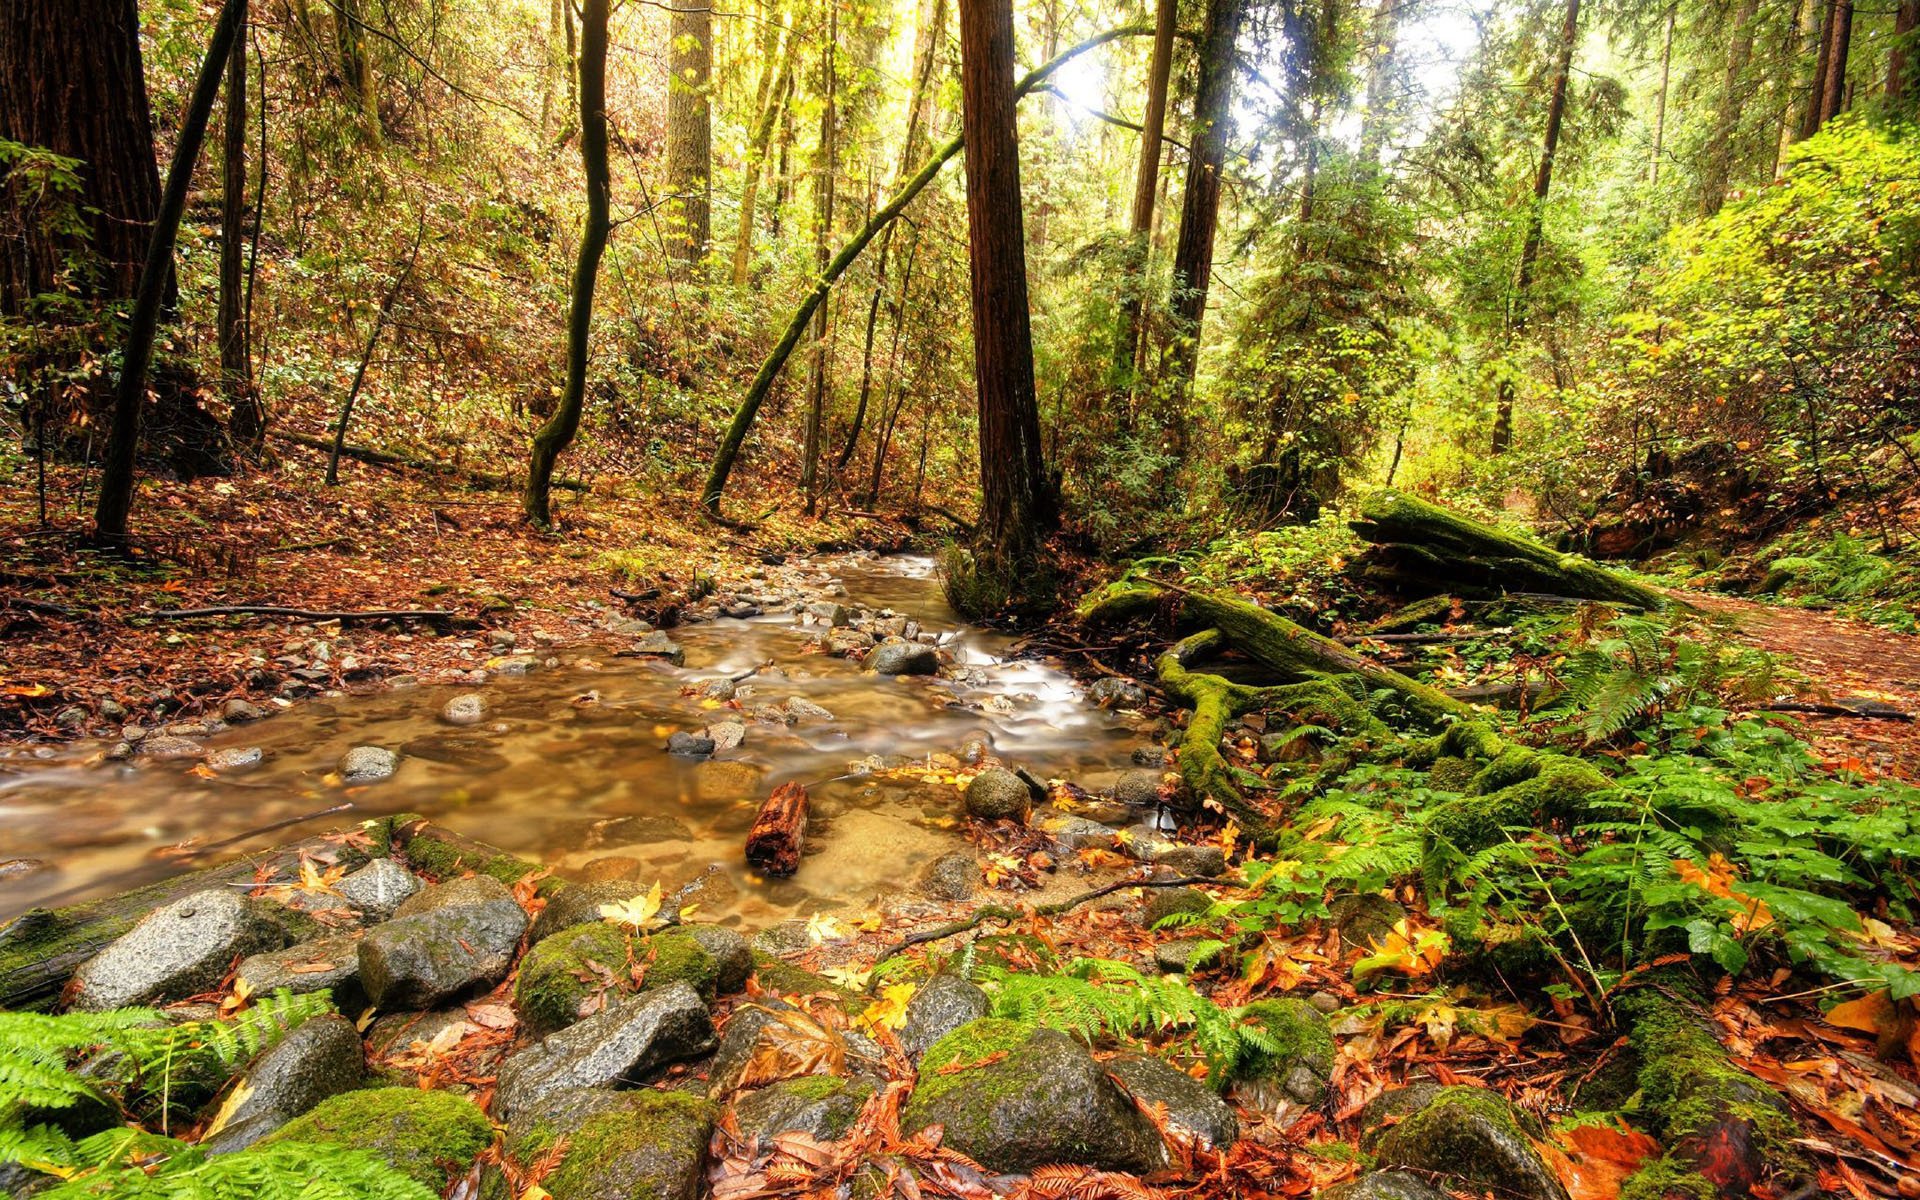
(825, 181)
(1377, 121)
(71, 81)
(1660, 104)
(558, 432)
(1817, 92)
(356, 70)
(380, 318)
(690, 133)
(130, 393)
(236, 364)
(1200, 208)
(776, 102)
(1904, 23)
(1719, 167)
(1536, 219)
(1015, 505)
(779, 832)
(1834, 99)
(1146, 186)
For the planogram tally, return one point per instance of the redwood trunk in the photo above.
(1146, 186)
(1200, 209)
(1834, 99)
(690, 130)
(1904, 23)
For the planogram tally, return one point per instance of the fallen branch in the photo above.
(388, 458)
(779, 833)
(1007, 914)
(1866, 710)
(438, 615)
(45, 608)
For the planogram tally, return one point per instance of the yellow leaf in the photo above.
(890, 1010)
(635, 912)
(237, 1097)
(823, 928)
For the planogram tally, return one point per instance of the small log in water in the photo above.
(780, 831)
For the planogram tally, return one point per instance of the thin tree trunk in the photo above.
(1377, 121)
(1146, 186)
(1660, 104)
(728, 452)
(1904, 22)
(781, 72)
(1200, 208)
(356, 71)
(824, 186)
(380, 318)
(1719, 168)
(123, 441)
(690, 133)
(1536, 221)
(557, 433)
(1835, 97)
(1015, 504)
(1817, 93)
(236, 366)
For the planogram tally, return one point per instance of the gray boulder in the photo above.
(1138, 788)
(1111, 692)
(368, 764)
(379, 887)
(659, 645)
(1191, 1106)
(1165, 902)
(848, 642)
(619, 1144)
(445, 941)
(1303, 1060)
(953, 876)
(320, 1058)
(1384, 1185)
(799, 708)
(829, 612)
(997, 794)
(1207, 861)
(1045, 1100)
(235, 711)
(579, 904)
(231, 760)
(1473, 1135)
(329, 964)
(690, 745)
(1182, 956)
(822, 1107)
(175, 951)
(726, 735)
(941, 1005)
(1073, 833)
(731, 955)
(903, 658)
(620, 1044)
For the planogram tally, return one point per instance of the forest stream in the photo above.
(570, 762)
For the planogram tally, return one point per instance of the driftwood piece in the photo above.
(1423, 548)
(779, 833)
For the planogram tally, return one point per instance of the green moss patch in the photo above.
(429, 1137)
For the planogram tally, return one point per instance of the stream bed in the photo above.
(569, 765)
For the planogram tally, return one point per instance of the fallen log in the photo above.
(1421, 547)
(408, 462)
(344, 616)
(779, 833)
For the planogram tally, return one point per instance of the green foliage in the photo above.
(1636, 670)
(126, 1164)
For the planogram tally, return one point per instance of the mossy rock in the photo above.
(1303, 1059)
(1165, 902)
(781, 977)
(430, 1137)
(644, 1143)
(558, 976)
(1450, 773)
(823, 1107)
(678, 956)
(1474, 1135)
(1014, 1097)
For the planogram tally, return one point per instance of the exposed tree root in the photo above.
(1006, 914)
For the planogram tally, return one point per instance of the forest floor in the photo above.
(86, 645)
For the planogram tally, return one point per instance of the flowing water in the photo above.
(566, 780)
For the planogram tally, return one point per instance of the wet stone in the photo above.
(448, 940)
(468, 708)
(579, 904)
(618, 1144)
(727, 735)
(659, 645)
(232, 759)
(1471, 1134)
(1208, 861)
(1167, 901)
(168, 746)
(1385, 1185)
(690, 745)
(822, 1107)
(622, 1044)
(940, 1006)
(1140, 789)
(1191, 1106)
(732, 957)
(1072, 833)
(368, 764)
(175, 952)
(998, 794)
(1117, 693)
(330, 964)
(953, 877)
(320, 1058)
(1182, 956)
(903, 658)
(379, 887)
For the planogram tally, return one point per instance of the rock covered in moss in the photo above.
(1191, 860)
(1384, 1185)
(578, 904)
(430, 1137)
(1014, 1097)
(1191, 1106)
(623, 1043)
(761, 1030)
(618, 1144)
(732, 957)
(175, 951)
(823, 1107)
(997, 794)
(1184, 956)
(1473, 1135)
(953, 876)
(1167, 901)
(1365, 920)
(320, 1058)
(562, 978)
(1304, 1059)
(938, 1007)
(448, 940)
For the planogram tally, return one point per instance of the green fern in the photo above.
(172, 1170)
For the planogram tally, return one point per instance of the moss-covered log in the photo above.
(1423, 548)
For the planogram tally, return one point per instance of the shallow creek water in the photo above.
(566, 781)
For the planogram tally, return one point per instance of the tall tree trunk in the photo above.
(1146, 186)
(71, 82)
(780, 72)
(1817, 91)
(1660, 104)
(1015, 500)
(928, 42)
(381, 316)
(1719, 168)
(1904, 23)
(557, 433)
(130, 393)
(1200, 208)
(356, 70)
(1536, 220)
(1376, 122)
(1834, 99)
(236, 365)
(690, 133)
(825, 182)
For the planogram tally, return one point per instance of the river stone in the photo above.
(953, 876)
(998, 794)
(1072, 833)
(902, 658)
(721, 689)
(1180, 956)
(235, 711)
(579, 904)
(1191, 1106)
(175, 952)
(829, 612)
(1471, 1134)
(468, 708)
(1138, 788)
(368, 764)
(379, 887)
(659, 645)
(169, 746)
(1046, 1101)
(690, 745)
(1303, 1062)
(799, 708)
(650, 1144)
(443, 942)
(320, 1058)
(331, 963)
(1384, 1185)
(623, 1043)
(726, 735)
(1365, 920)
(428, 1136)
(822, 1107)
(231, 759)
(848, 642)
(940, 1006)
(1208, 861)
(732, 958)
(1110, 692)
(1165, 902)
(395, 1033)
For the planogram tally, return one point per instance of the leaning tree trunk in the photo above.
(71, 82)
(1719, 169)
(130, 393)
(356, 70)
(244, 420)
(558, 432)
(1014, 496)
(1200, 208)
(1536, 221)
(1146, 186)
(690, 133)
